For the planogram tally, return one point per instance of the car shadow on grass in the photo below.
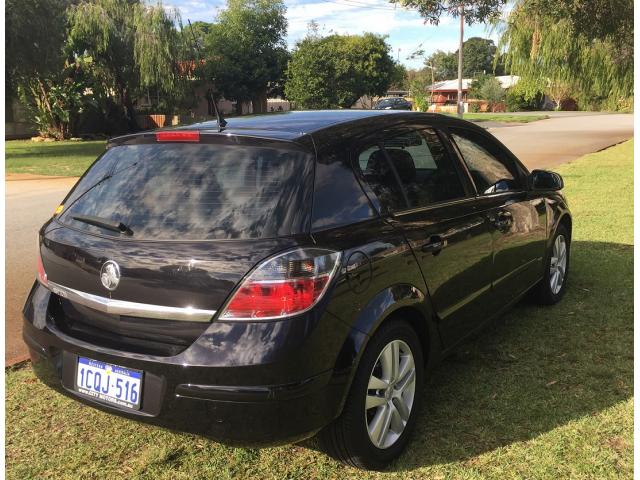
(535, 369)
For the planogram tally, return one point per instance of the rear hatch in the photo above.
(195, 218)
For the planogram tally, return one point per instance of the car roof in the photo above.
(295, 121)
(292, 125)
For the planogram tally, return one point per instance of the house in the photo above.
(447, 91)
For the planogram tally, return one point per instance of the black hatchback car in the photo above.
(393, 103)
(290, 274)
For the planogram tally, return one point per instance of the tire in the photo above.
(347, 439)
(548, 292)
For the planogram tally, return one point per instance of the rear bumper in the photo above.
(221, 402)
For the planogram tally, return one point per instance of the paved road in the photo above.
(565, 137)
(29, 203)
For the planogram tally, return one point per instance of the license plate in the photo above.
(109, 383)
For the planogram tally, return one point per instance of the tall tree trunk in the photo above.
(259, 102)
(129, 110)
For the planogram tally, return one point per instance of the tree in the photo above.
(195, 37)
(479, 57)
(551, 56)
(604, 20)
(35, 63)
(34, 39)
(445, 65)
(337, 70)
(474, 10)
(491, 91)
(246, 51)
(134, 46)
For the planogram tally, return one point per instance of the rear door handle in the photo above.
(434, 245)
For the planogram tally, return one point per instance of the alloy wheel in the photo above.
(390, 394)
(558, 265)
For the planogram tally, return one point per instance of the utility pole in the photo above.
(432, 68)
(460, 103)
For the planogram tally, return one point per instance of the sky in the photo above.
(406, 31)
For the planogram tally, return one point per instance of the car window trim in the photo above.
(433, 206)
(390, 164)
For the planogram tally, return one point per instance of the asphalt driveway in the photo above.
(29, 203)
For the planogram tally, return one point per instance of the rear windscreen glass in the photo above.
(194, 192)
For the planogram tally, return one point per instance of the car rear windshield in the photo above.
(194, 192)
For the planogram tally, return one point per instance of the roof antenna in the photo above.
(212, 102)
(221, 121)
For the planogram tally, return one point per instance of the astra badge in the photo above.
(110, 275)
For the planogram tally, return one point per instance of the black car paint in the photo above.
(271, 382)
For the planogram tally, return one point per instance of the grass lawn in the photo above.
(69, 159)
(502, 117)
(544, 393)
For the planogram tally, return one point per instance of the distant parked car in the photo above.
(393, 103)
(289, 274)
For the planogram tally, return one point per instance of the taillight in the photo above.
(285, 285)
(178, 136)
(42, 275)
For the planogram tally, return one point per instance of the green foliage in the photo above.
(604, 20)
(519, 98)
(474, 10)
(487, 88)
(476, 85)
(551, 56)
(35, 64)
(134, 47)
(155, 48)
(246, 51)
(445, 65)
(492, 91)
(337, 70)
(399, 79)
(55, 105)
(479, 56)
(34, 40)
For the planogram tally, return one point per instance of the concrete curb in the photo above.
(12, 362)
(22, 177)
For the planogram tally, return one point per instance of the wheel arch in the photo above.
(399, 302)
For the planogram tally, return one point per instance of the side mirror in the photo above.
(545, 180)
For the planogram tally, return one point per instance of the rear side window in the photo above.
(491, 169)
(196, 192)
(422, 165)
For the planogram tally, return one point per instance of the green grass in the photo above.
(69, 159)
(503, 117)
(545, 393)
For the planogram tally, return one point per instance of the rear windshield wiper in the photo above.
(104, 223)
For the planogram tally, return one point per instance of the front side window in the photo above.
(492, 171)
(410, 170)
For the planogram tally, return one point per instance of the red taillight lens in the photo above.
(42, 275)
(283, 286)
(178, 136)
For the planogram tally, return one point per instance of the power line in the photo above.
(358, 4)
